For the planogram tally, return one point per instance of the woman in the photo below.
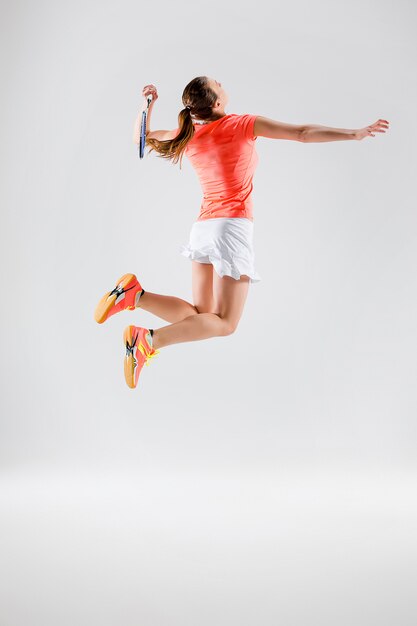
(221, 148)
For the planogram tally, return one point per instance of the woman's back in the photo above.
(224, 157)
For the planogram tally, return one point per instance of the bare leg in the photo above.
(231, 296)
(169, 308)
(192, 328)
(173, 309)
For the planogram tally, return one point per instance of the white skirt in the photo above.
(226, 243)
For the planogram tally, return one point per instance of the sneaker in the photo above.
(120, 298)
(139, 350)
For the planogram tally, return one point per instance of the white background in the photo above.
(267, 477)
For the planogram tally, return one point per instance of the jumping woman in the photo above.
(221, 148)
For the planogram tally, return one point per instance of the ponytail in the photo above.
(173, 149)
(200, 99)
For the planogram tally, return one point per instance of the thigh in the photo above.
(230, 297)
(202, 286)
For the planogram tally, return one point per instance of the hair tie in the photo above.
(188, 107)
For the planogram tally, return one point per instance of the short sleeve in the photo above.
(246, 124)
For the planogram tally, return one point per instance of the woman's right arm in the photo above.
(148, 90)
(161, 135)
(138, 122)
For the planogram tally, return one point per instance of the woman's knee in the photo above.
(228, 327)
(205, 307)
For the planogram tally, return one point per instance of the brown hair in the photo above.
(198, 98)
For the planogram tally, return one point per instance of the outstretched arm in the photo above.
(313, 133)
(316, 133)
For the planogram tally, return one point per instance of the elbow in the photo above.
(303, 134)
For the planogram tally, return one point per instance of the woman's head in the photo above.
(204, 100)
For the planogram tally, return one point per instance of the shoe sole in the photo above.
(107, 301)
(130, 361)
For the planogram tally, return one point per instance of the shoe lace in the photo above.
(130, 347)
(119, 289)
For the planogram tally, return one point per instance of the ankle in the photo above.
(155, 343)
(138, 296)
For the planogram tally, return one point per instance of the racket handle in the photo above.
(142, 135)
(142, 140)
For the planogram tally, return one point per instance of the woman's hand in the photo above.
(378, 127)
(149, 90)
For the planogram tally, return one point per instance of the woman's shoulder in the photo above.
(244, 124)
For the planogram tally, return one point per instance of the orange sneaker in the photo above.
(120, 298)
(139, 350)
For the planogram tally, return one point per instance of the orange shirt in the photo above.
(224, 157)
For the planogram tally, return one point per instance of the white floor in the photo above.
(314, 546)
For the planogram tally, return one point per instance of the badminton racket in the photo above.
(142, 140)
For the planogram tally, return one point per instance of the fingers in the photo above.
(378, 127)
(380, 124)
(150, 90)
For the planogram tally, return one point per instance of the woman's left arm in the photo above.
(314, 133)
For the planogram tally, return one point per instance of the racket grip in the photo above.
(142, 140)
